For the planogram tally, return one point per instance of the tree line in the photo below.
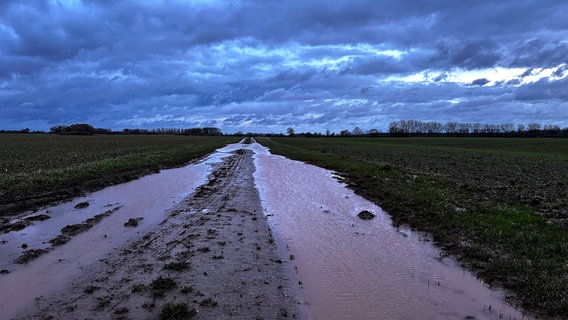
(474, 129)
(87, 129)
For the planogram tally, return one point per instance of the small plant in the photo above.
(161, 285)
(103, 303)
(177, 311)
(208, 303)
(138, 287)
(133, 222)
(122, 310)
(177, 266)
(91, 289)
(148, 305)
(186, 290)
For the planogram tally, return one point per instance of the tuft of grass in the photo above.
(160, 285)
(177, 311)
(91, 289)
(208, 303)
(177, 266)
(186, 290)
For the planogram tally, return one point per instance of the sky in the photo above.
(266, 65)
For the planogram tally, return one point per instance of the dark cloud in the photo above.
(480, 82)
(265, 65)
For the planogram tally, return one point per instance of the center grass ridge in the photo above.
(496, 205)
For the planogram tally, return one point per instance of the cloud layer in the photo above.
(265, 65)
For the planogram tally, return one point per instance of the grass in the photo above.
(177, 266)
(499, 206)
(160, 285)
(44, 168)
(177, 311)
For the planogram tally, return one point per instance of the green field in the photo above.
(36, 169)
(499, 206)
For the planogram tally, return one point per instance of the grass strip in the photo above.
(496, 235)
(99, 162)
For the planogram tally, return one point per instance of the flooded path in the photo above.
(149, 197)
(356, 269)
(210, 219)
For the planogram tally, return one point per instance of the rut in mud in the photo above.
(214, 252)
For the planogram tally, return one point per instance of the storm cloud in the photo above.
(266, 65)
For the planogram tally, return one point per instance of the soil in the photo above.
(214, 254)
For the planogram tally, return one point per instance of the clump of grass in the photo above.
(177, 311)
(121, 310)
(160, 285)
(133, 222)
(138, 287)
(208, 303)
(186, 290)
(148, 305)
(177, 266)
(102, 303)
(91, 289)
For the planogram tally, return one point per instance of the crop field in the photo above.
(498, 206)
(36, 169)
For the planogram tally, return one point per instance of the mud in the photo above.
(214, 252)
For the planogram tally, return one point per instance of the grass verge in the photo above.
(41, 169)
(481, 202)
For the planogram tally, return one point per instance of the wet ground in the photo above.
(215, 243)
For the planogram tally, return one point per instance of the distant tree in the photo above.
(102, 131)
(358, 132)
(290, 131)
(534, 126)
(451, 127)
(533, 129)
(520, 128)
(74, 129)
(211, 131)
(25, 130)
(344, 133)
(327, 132)
(374, 132)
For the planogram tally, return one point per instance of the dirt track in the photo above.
(214, 252)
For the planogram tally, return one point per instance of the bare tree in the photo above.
(358, 132)
(290, 131)
(373, 132)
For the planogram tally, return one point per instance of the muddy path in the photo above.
(252, 236)
(214, 252)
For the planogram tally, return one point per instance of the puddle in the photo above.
(355, 269)
(149, 197)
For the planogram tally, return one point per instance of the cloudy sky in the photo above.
(265, 65)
